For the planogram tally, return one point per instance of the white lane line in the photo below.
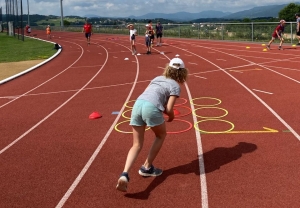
(200, 77)
(217, 70)
(68, 91)
(53, 112)
(236, 71)
(262, 91)
(193, 63)
(250, 91)
(115, 57)
(160, 67)
(221, 60)
(93, 157)
(188, 55)
(84, 66)
(46, 80)
(203, 183)
(239, 66)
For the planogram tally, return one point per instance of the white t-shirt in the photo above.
(132, 32)
(159, 91)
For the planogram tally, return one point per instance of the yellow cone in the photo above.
(263, 44)
(294, 45)
(247, 47)
(264, 49)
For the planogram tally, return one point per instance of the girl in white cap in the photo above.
(158, 98)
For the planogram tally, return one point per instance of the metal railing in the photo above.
(253, 31)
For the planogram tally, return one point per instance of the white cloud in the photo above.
(124, 8)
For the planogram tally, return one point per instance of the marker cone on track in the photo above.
(265, 49)
(176, 112)
(95, 115)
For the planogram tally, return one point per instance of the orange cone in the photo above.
(95, 115)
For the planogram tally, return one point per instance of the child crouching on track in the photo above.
(132, 33)
(158, 98)
(278, 33)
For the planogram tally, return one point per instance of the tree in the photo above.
(288, 12)
(66, 23)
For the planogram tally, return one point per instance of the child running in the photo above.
(278, 33)
(132, 33)
(88, 30)
(158, 98)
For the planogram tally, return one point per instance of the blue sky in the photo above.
(124, 8)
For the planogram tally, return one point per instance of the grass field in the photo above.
(14, 50)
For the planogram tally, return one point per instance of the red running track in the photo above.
(242, 150)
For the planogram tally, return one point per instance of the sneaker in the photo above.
(280, 48)
(152, 171)
(268, 47)
(122, 182)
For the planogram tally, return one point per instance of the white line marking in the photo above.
(188, 55)
(68, 91)
(239, 66)
(200, 77)
(115, 57)
(53, 112)
(238, 72)
(193, 63)
(46, 80)
(221, 60)
(92, 158)
(250, 91)
(203, 184)
(162, 57)
(263, 91)
(84, 66)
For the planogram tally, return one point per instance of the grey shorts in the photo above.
(145, 113)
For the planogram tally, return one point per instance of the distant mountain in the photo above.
(92, 15)
(262, 11)
(183, 16)
(255, 12)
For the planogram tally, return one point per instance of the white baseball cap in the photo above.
(176, 61)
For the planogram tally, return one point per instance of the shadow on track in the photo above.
(213, 159)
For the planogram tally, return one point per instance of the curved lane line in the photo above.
(90, 161)
(250, 91)
(54, 111)
(19, 96)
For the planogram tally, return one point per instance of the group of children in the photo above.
(149, 36)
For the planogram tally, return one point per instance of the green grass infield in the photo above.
(14, 50)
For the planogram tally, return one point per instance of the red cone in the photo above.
(176, 112)
(95, 115)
